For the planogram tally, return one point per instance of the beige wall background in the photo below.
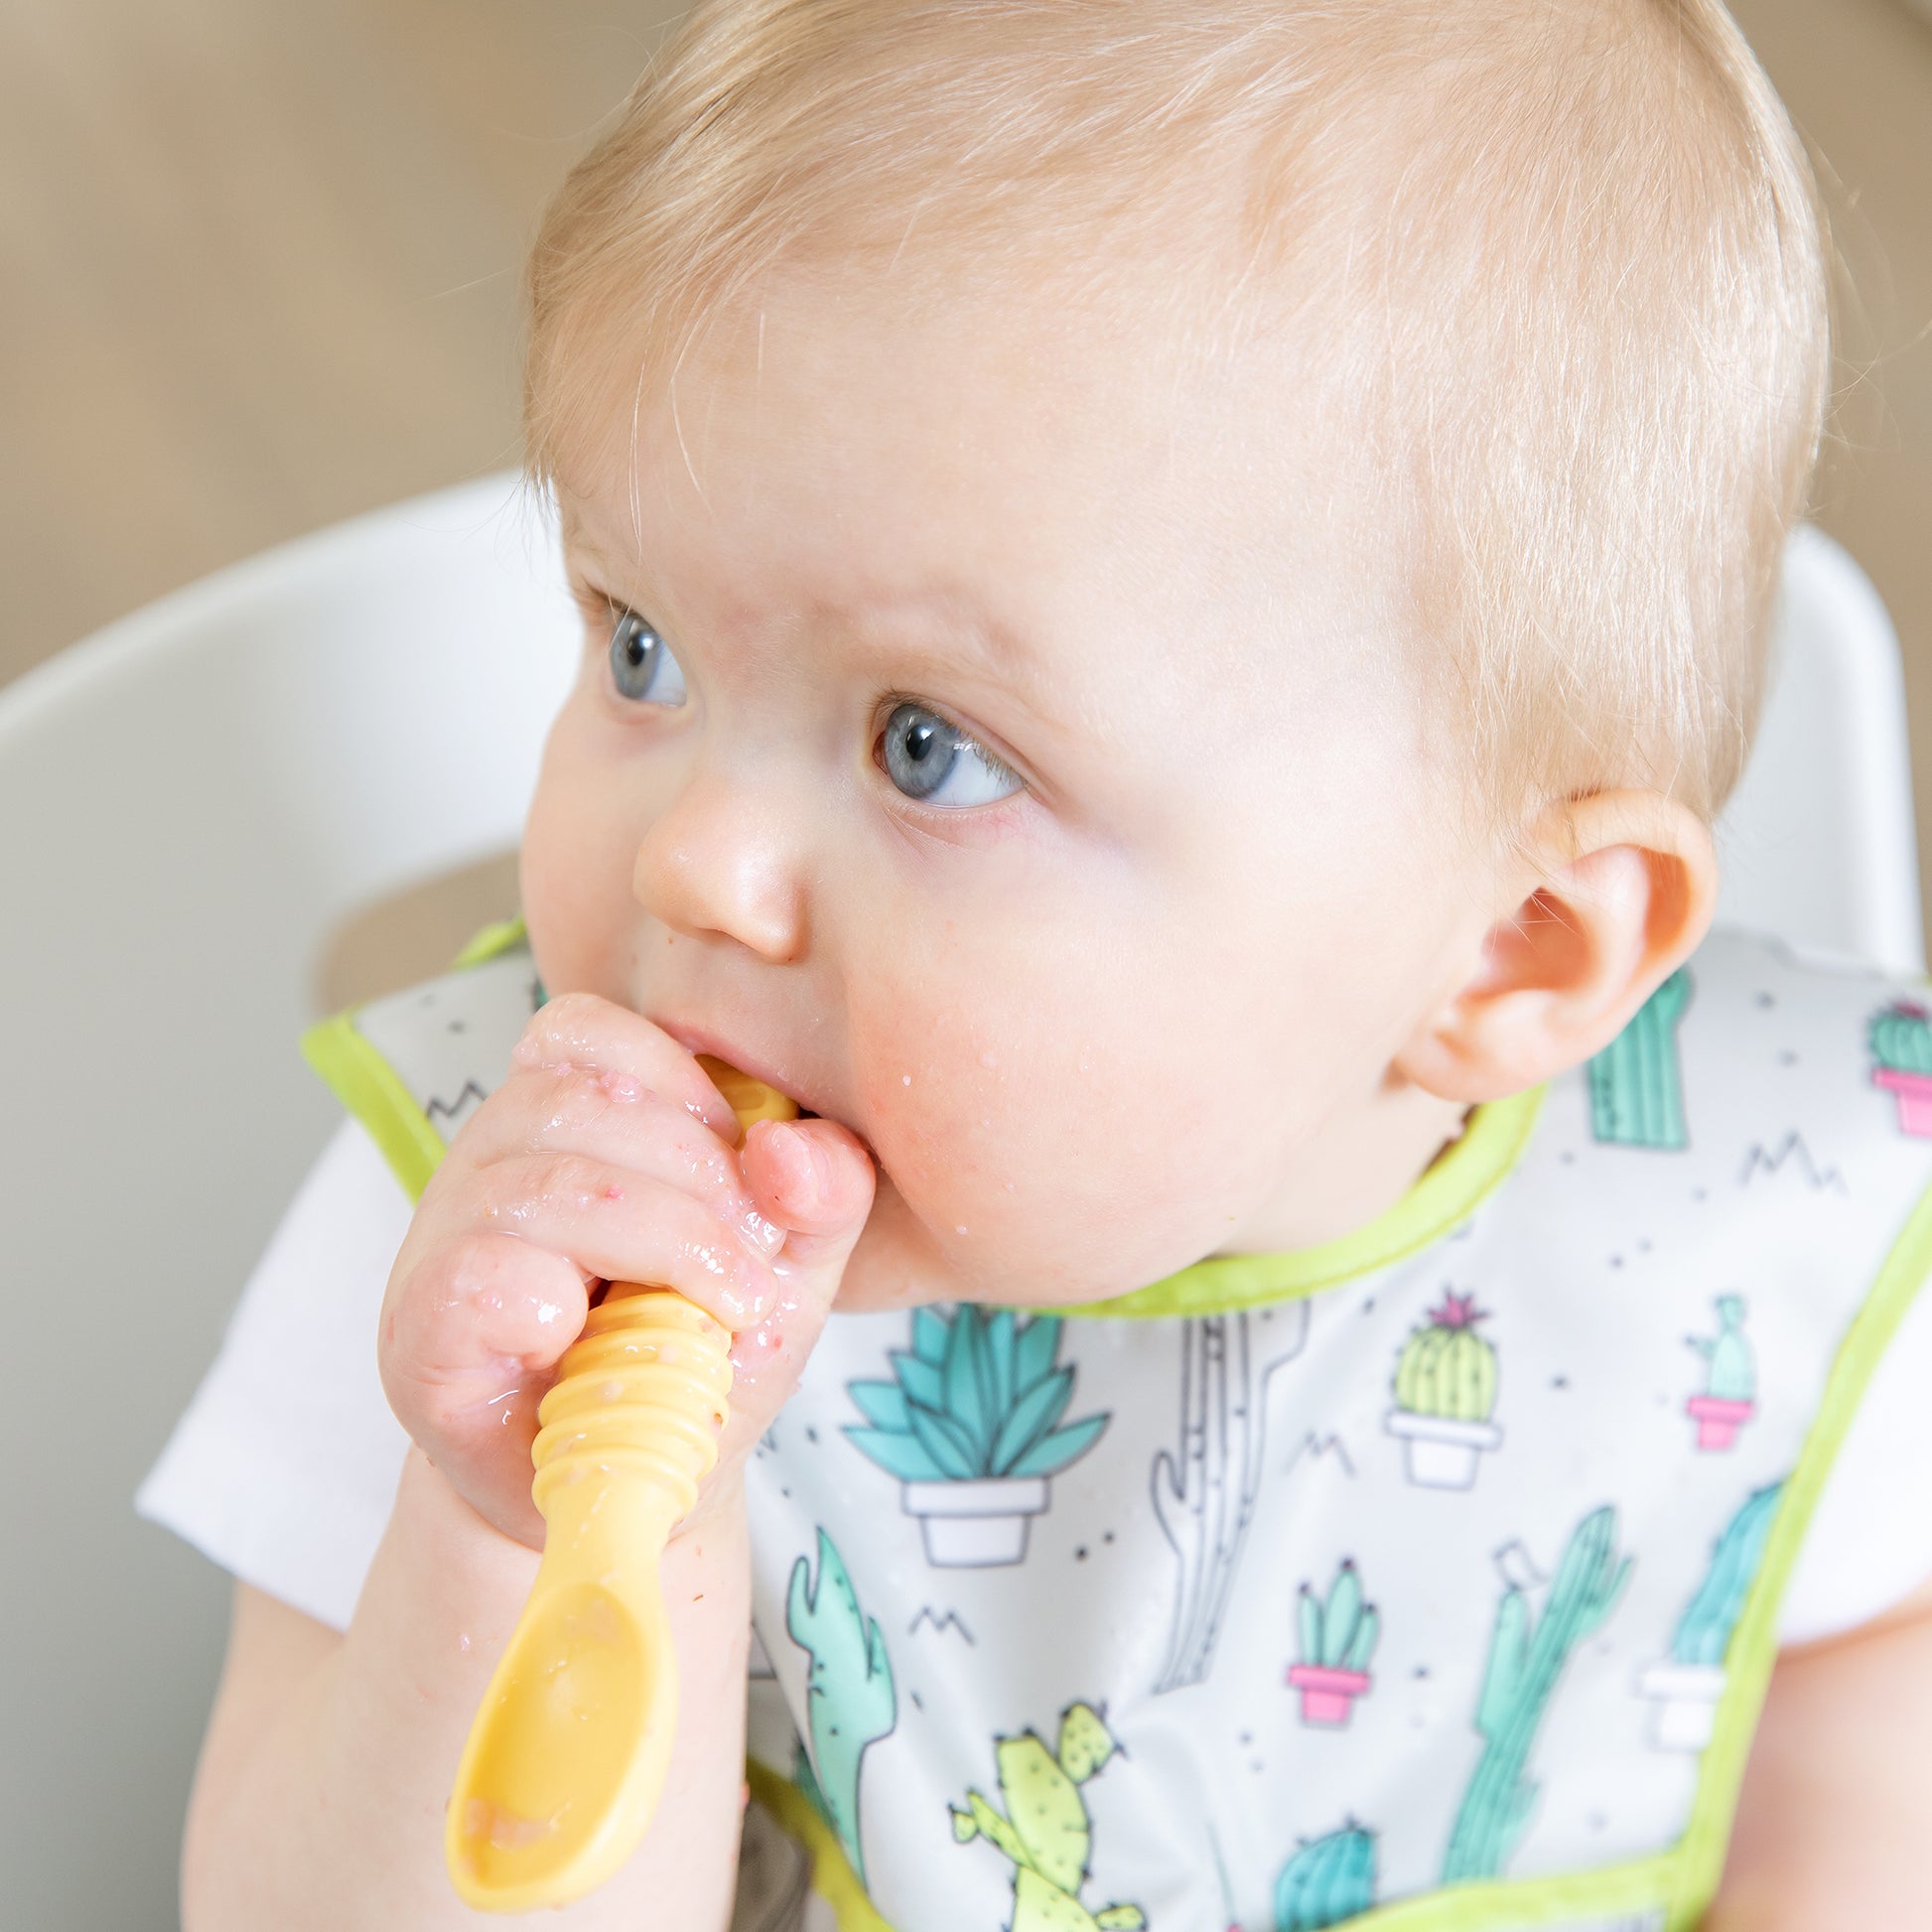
(258, 271)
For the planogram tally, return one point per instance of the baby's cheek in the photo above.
(578, 847)
(1034, 1157)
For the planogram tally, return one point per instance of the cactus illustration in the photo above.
(1447, 1369)
(1045, 1830)
(1900, 1039)
(1521, 1678)
(1636, 1096)
(1732, 1376)
(1204, 1495)
(1328, 1879)
(1704, 1630)
(1338, 1635)
(1730, 1397)
(1687, 1685)
(1445, 1392)
(1339, 1632)
(850, 1699)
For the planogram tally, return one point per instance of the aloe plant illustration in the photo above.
(1338, 1634)
(1446, 1393)
(850, 1699)
(1204, 1491)
(1525, 1663)
(1327, 1880)
(1730, 1397)
(1636, 1096)
(1900, 1039)
(971, 1424)
(1045, 1830)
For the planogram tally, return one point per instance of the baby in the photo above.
(1170, 592)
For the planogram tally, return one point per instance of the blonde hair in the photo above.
(1564, 260)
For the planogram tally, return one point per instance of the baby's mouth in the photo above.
(710, 1045)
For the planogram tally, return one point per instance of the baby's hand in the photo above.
(606, 1155)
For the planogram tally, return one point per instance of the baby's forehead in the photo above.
(963, 460)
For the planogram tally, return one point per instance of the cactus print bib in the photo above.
(1426, 1579)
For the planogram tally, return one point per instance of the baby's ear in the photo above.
(1609, 894)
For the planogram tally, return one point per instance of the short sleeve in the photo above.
(1870, 1544)
(284, 1468)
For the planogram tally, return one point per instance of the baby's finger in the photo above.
(580, 1029)
(627, 1227)
(469, 1338)
(615, 1120)
(814, 1178)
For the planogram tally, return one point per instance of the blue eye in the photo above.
(641, 663)
(928, 757)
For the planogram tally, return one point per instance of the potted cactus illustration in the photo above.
(1327, 1880)
(1730, 1397)
(1045, 1830)
(1900, 1039)
(1526, 1658)
(1338, 1635)
(1445, 1393)
(971, 1426)
(1636, 1096)
(1688, 1685)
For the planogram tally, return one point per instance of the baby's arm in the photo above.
(319, 1796)
(1834, 1826)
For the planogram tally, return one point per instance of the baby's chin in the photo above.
(899, 1262)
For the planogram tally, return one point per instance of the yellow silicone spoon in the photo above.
(568, 1753)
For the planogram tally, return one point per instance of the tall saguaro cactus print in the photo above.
(850, 1700)
(1205, 1496)
(1524, 1665)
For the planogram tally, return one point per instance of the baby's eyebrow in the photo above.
(940, 630)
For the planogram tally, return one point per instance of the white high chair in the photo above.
(192, 801)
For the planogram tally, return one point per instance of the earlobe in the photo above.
(1611, 893)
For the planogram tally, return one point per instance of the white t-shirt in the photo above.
(286, 1480)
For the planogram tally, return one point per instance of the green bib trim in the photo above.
(492, 941)
(1492, 1144)
(833, 1878)
(1755, 1643)
(366, 1084)
(369, 1087)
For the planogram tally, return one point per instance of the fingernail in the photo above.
(811, 1166)
(765, 1236)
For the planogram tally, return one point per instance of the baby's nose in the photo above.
(720, 862)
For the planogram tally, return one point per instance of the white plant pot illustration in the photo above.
(976, 1524)
(1441, 1452)
(1687, 1703)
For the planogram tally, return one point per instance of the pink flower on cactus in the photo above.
(1456, 1311)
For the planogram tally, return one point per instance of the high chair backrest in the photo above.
(1818, 843)
(192, 802)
